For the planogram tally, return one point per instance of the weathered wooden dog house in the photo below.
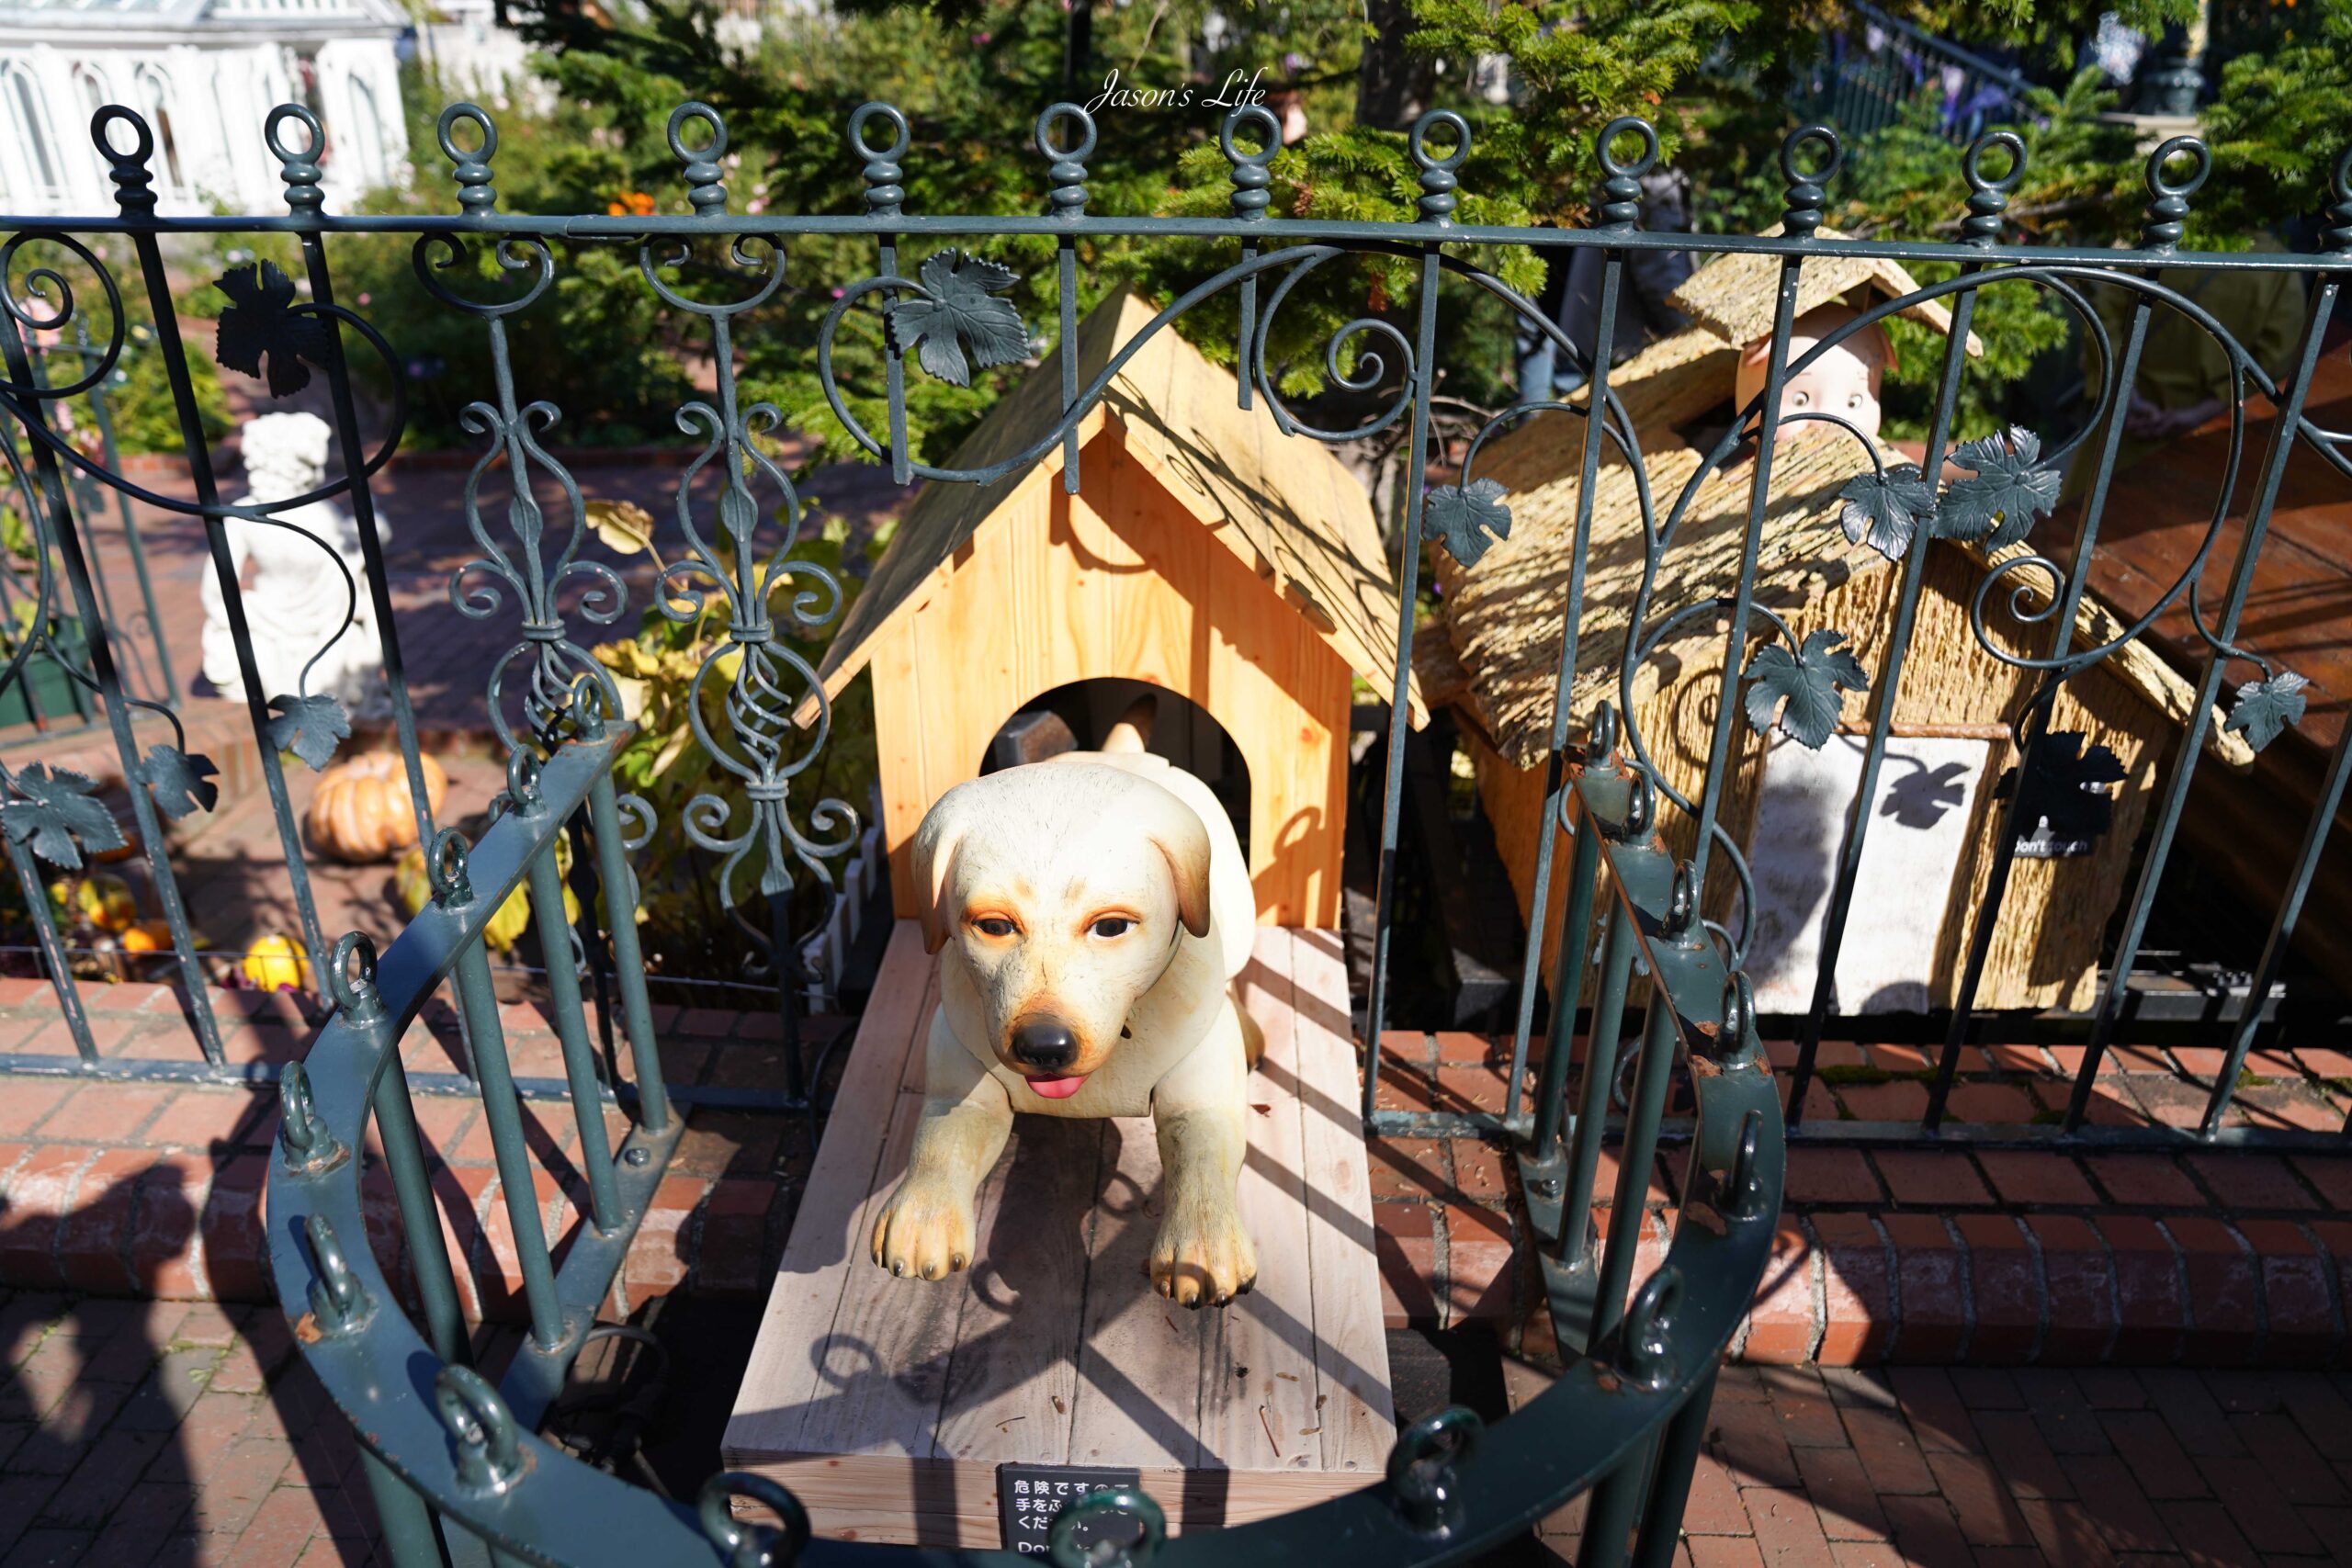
(1212, 557)
(1495, 657)
(1205, 553)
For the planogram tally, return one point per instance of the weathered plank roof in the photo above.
(1283, 504)
(1503, 617)
(1730, 302)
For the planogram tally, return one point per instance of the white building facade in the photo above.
(204, 75)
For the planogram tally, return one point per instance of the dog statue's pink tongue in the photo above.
(1055, 1088)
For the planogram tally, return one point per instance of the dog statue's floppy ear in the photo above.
(1175, 829)
(934, 857)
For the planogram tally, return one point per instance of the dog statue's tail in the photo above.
(1133, 732)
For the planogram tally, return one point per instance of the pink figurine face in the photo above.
(1844, 381)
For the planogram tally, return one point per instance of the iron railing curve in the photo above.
(444, 1436)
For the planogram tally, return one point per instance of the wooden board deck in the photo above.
(888, 1403)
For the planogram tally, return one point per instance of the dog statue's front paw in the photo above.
(1203, 1259)
(924, 1232)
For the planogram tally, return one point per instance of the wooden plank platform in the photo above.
(888, 1403)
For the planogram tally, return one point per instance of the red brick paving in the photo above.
(2003, 1469)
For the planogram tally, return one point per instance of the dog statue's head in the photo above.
(1063, 889)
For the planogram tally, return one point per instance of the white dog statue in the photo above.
(298, 601)
(1089, 914)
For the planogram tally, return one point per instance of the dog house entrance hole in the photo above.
(1076, 716)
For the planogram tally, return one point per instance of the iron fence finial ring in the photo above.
(1801, 202)
(1419, 141)
(1826, 136)
(310, 1148)
(1682, 903)
(103, 123)
(1988, 198)
(1270, 129)
(901, 136)
(443, 132)
(301, 169)
(1421, 1468)
(523, 778)
(1044, 133)
(352, 985)
(1971, 163)
(674, 132)
(1601, 740)
(1738, 1009)
(476, 196)
(1645, 1343)
(2162, 156)
(444, 866)
(1068, 174)
(884, 196)
(1621, 192)
(1123, 1501)
(134, 183)
(2168, 199)
(339, 1303)
(272, 132)
(1438, 182)
(752, 1545)
(707, 192)
(1744, 1183)
(1610, 164)
(490, 1450)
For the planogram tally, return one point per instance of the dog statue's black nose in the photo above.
(1044, 1042)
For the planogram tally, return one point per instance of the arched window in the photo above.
(366, 135)
(155, 96)
(89, 92)
(29, 119)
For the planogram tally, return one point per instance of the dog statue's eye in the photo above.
(1110, 926)
(994, 925)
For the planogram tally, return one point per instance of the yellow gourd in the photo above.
(278, 964)
(361, 811)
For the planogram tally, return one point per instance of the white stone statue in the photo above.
(298, 601)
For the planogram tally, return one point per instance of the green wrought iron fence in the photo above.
(453, 1460)
(52, 691)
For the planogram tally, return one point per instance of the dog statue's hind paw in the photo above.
(924, 1233)
(1204, 1259)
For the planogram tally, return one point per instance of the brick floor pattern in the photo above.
(1985, 1468)
(180, 1433)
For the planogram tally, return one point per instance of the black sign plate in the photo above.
(1029, 1498)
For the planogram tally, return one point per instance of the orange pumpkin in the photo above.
(362, 812)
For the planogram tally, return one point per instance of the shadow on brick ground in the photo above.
(140, 1432)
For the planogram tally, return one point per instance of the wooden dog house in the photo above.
(1209, 554)
(1205, 552)
(1494, 656)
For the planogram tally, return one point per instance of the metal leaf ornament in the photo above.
(1884, 510)
(310, 727)
(960, 314)
(2008, 490)
(262, 321)
(1465, 519)
(181, 783)
(2266, 709)
(54, 806)
(1804, 689)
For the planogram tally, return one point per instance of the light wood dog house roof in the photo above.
(1285, 506)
